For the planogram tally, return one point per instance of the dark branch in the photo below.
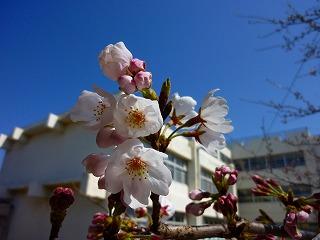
(221, 230)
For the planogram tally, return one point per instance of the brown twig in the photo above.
(221, 230)
(155, 212)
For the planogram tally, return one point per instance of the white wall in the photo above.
(31, 216)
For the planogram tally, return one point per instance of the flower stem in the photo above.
(155, 212)
(56, 218)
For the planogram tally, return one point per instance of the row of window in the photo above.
(178, 168)
(276, 161)
(206, 181)
(245, 195)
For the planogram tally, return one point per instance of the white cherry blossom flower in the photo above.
(211, 140)
(137, 171)
(167, 209)
(213, 112)
(136, 116)
(114, 60)
(93, 110)
(96, 163)
(183, 107)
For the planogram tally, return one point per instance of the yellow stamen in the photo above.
(136, 167)
(136, 118)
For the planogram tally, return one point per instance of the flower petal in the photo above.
(183, 105)
(108, 137)
(96, 163)
(139, 189)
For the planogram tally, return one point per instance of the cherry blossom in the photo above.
(167, 209)
(93, 110)
(96, 163)
(137, 171)
(213, 111)
(114, 60)
(107, 137)
(211, 140)
(183, 108)
(136, 116)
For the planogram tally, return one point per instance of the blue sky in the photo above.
(49, 54)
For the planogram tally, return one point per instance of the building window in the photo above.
(178, 168)
(258, 163)
(211, 220)
(206, 181)
(299, 190)
(242, 165)
(245, 196)
(293, 159)
(224, 158)
(276, 161)
(178, 217)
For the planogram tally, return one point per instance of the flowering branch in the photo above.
(221, 230)
(132, 172)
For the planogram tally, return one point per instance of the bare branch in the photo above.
(221, 230)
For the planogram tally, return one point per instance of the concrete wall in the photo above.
(257, 147)
(53, 156)
(30, 219)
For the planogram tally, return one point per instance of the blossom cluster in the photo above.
(298, 209)
(223, 202)
(124, 119)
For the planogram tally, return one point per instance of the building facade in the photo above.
(289, 157)
(49, 154)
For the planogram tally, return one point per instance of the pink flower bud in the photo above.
(302, 216)
(234, 172)
(290, 226)
(226, 204)
(258, 192)
(259, 180)
(273, 183)
(136, 65)
(291, 218)
(218, 175)
(198, 194)
(232, 179)
(127, 85)
(225, 169)
(61, 199)
(143, 80)
(307, 208)
(197, 209)
(140, 212)
(108, 137)
(99, 218)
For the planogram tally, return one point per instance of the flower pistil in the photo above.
(136, 167)
(136, 118)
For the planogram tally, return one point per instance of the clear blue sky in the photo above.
(49, 54)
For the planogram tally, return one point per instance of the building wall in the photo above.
(52, 156)
(30, 219)
(278, 148)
